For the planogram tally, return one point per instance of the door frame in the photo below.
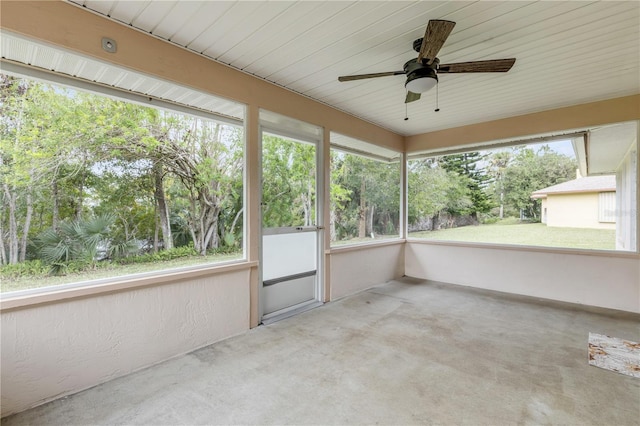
(320, 223)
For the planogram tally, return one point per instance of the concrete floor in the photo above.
(406, 352)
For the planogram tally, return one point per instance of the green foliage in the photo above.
(533, 170)
(289, 185)
(487, 186)
(489, 220)
(39, 268)
(365, 197)
(161, 256)
(74, 244)
(476, 179)
(433, 189)
(122, 249)
(230, 240)
(29, 268)
(67, 156)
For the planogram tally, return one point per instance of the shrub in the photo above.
(75, 266)
(490, 220)
(29, 268)
(509, 221)
(74, 246)
(160, 256)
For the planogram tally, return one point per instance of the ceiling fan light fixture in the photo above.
(421, 80)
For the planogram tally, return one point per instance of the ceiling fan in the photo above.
(422, 72)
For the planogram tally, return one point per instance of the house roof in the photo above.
(606, 146)
(583, 184)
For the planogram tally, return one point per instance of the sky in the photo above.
(562, 147)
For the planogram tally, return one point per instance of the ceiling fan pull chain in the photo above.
(406, 115)
(437, 100)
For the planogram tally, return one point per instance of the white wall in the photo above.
(52, 350)
(605, 281)
(357, 268)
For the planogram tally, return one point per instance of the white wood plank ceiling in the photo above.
(568, 52)
(45, 57)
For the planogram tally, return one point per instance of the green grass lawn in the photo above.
(378, 238)
(532, 234)
(110, 271)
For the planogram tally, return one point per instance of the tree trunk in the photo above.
(194, 237)
(362, 212)
(371, 221)
(194, 222)
(332, 225)
(235, 221)
(3, 252)
(502, 205)
(163, 211)
(212, 237)
(307, 214)
(55, 214)
(13, 226)
(156, 229)
(25, 228)
(308, 206)
(80, 196)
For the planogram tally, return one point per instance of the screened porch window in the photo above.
(365, 192)
(548, 194)
(94, 187)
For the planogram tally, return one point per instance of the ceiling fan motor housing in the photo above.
(416, 70)
(413, 65)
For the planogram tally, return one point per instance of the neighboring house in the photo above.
(613, 150)
(585, 202)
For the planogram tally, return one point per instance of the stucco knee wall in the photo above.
(57, 349)
(357, 268)
(608, 281)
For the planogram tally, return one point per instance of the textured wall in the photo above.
(575, 211)
(597, 280)
(358, 268)
(52, 350)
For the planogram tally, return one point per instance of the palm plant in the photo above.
(78, 240)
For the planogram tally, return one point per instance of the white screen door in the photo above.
(290, 231)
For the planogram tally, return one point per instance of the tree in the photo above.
(365, 196)
(132, 143)
(69, 156)
(498, 163)
(205, 158)
(202, 160)
(30, 155)
(432, 190)
(289, 184)
(466, 165)
(341, 199)
(531, 170)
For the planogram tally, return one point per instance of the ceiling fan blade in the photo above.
(411, 97)
(493, 65)
(434, 37)
(374, 75)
